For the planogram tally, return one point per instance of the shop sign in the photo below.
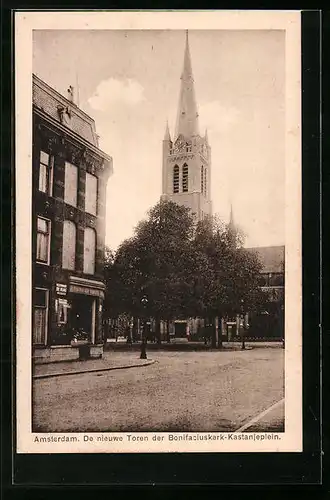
(86, 291)
(61, 289)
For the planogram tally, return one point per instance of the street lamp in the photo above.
(144, 303)
(242, 334)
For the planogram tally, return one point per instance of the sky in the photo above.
(129, 82)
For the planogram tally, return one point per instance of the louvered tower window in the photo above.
(175, 179)
(205, 180)
(185, 172)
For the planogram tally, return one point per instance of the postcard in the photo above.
(158, 231)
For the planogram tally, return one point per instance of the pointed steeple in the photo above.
(187, 118)
(167, 136)
(231, 217)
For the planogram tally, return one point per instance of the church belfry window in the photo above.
(202, 179)
(185, 173)
(175, 179)
(205, 181)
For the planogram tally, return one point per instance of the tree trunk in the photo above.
(214, 334)
(157, 332)
(220, 332)
(135, 330)
(105, 333)
(168, 336)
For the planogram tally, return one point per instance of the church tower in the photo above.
(186, 176)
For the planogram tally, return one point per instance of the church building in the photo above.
(186, 170)
(186, 178)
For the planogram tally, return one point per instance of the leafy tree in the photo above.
(154, 262)
(186, 269)
(234, 281)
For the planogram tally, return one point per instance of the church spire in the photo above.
(167, 136)
(187, 118)
(231, 217)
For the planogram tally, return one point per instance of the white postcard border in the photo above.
(291, 439)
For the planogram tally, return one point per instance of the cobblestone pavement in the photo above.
(181, 391)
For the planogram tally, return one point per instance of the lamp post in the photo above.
(242, 317)
(144, 303)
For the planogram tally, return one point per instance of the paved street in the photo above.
(181, 391)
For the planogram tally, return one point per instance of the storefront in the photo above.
(78, 309)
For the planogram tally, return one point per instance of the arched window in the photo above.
(69, 245)
(89, 250)
(185, 174)
(175, 179)
(205, 181)
(202, 179)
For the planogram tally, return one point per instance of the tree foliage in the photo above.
(186, 269)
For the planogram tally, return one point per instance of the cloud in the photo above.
(112, 91)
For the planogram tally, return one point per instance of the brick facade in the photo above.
(75, 142)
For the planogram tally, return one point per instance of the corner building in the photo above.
(69, 176)
(186, 178)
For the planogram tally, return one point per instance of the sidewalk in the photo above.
(109, 361)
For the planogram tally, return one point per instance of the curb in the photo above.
(77, 372)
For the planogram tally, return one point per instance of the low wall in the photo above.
(59, 353)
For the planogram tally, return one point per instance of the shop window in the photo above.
(43, 240)
(185, 179)
(69, 245)
(62, 307)
(71, 184)
(46, 168)
(91, 194)
(40, 317)
(89, 250)
(175, 179)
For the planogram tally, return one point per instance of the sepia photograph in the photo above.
(163, 257)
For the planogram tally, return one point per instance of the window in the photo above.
(69, 245)
(43, 240)
(185, 178)
(91, 194)
(46, 167)
(40, 316)
(62, 307)
(202, 179)
(205, 181)
(71, 184)
(89, 250)
(175, 179)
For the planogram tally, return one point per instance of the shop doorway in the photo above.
(82, 315)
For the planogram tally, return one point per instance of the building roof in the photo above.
(50, 102)
(271, 257)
